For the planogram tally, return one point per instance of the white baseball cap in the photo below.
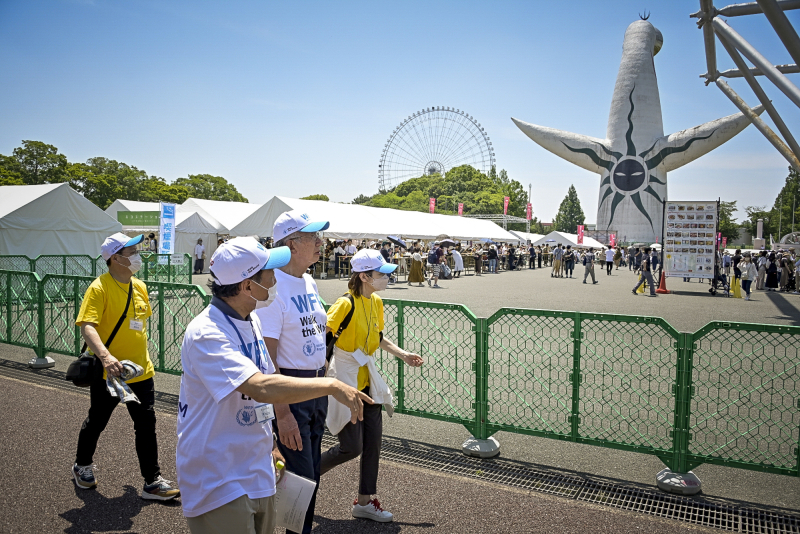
(239, 258)
(371, 260)
(117, 242)
(293, 221)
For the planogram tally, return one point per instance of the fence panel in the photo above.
(444, 387)
(19, 320)
(628, 367)
(530, 363)
(61, 300)
(68, 264)
(172, 268)
(745, 408)
(16, 263)
(100, 266)
(174, 306)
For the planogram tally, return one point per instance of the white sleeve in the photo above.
(219, 364)
(271, 318)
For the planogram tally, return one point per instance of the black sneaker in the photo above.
(160, 490)
(84, 476)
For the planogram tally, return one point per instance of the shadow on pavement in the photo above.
(784, 306)
(101, 514)
(354, 526)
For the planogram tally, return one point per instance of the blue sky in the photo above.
(297, 98)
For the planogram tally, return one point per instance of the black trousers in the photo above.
(609, 265)
(539, 257)
(532, 261)
(198, 264)
(101, 407)
(364, 438)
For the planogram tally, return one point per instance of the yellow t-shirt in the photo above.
(364, 330)
(103, 305)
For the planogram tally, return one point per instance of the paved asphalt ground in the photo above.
(40, 428)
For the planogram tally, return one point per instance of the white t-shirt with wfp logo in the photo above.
(297, 320)
(223, 451)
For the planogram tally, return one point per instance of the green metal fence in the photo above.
(174, 268)
(727, 394)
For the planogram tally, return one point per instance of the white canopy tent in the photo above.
(51, 219)
(353, 221)
(189, 226)
(223, 215)
(526, 236)
(554, 238)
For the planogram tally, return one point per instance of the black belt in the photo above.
(304, 373)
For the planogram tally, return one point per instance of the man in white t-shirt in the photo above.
(350, 249)
(609, 260)
(199, 257)
(294, 332)
(225, 450)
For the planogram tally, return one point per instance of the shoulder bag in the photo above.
(82, 371)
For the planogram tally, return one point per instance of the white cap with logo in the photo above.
(293, 221)
(117, 242)
(241, 257)
(371, 260)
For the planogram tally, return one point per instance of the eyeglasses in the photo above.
(314, 235)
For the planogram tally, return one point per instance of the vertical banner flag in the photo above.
(166, 229)
(529, 211)
(612, 240)
(719, 237)
(724, 243)
(580, 234)
(460, 209)
(505, 205)
(432, 205)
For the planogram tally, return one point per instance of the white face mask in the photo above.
(136, 263)
(379, 284)
(273, 294)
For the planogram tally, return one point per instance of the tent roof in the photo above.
(527, 236)
(568, 239)
(186, 220)
(223, 215)
(357, 221)
(17, 196)
(52, 207)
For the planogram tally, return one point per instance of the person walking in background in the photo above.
(354, 364)
(434, 263)
(630, 258)
(762, 270)
(617, 258)
(478, 257)
(458, 262)
(152, 244)
(647, 275)
(113, 316)
(772, 272)
(569, 261)
(417, 273)
(610, 260)
(511, 253)
(558, 253)
(539, 255)
(748, 274)
(588, 263)
(492, 255)
(531, 257)
(199, 257)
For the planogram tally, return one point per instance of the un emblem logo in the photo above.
(309, 348)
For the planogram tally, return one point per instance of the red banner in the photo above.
(612, 240)
(460, 209)
(719, 237)
(432, 205)
(724, 243)
(505, 205)
(580, 234)
(529, 212)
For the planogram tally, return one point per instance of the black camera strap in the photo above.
(119, 323)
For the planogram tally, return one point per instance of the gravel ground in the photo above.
(38, 494)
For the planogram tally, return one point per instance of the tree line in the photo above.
(103, 180)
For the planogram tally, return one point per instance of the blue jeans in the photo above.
(493, 266)
(310, 416)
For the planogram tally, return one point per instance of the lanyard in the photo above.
(257, 360)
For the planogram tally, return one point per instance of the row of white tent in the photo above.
(55, 219)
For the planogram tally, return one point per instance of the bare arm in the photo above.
(289, 390)
(110, 363)
(414, 360)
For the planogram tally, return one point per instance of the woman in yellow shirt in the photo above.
(353, 363)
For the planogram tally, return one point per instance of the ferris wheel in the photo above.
(433, 141)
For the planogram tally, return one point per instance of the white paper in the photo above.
(292, 498)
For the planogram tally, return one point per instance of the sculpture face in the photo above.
(629, 174)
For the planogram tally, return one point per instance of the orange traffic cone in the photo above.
(662, 287)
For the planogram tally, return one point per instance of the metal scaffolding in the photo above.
(503, 220)
(737, 46)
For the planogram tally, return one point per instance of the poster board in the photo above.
(690, 239)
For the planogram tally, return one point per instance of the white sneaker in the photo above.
(372, 510)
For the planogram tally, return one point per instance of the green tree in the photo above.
(361, 199)
(10, 171)
(40, 163)
(210, 187)
(316, 197)
(570, 214)
(727, 224)
(778, 220)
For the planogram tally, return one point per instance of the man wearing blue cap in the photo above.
(113, 321)
(225, 413)
(294, 332)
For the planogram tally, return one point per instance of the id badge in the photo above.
(264, 413)
(137, 324)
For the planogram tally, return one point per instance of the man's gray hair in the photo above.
(285, 241)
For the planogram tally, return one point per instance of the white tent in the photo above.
(224, 216)
(51, 219)
(189, 226)
(353, 221)
(554, 238)
(526, 236)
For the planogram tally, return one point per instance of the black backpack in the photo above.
(432, 257)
